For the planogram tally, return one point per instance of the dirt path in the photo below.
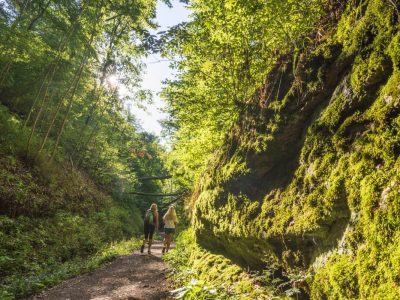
(137, 276)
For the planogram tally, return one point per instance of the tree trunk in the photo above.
(4, 72)
(40, 107)
(55, 62)
(56, 112)
(82, 65)
(38, 95)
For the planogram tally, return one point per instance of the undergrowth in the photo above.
(200, 274)
(37, 275)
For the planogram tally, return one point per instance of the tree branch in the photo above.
(41, 13)
(172, 202)
(179, 193)
(155, 177)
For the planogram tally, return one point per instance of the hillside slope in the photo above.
(55, 221)
(310, 175)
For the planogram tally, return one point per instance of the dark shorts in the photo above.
(148, 231)
(169, 230)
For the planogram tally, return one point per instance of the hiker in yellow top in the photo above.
(150, 224)
(170, 221)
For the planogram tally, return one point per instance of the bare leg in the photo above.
(164, 243)
(143, 245)
(149, 249)
(168, 241)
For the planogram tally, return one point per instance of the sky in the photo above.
(158, 70)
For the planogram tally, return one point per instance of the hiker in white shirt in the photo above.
(170, 221)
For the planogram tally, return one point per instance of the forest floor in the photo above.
(133, 277)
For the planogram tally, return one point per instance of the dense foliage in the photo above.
(222, 55)
(61, 66)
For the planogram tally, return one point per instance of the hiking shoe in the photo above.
(142, 249)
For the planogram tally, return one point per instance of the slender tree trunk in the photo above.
(83, 63)
(52, 66)
(94, 106)
(55, 62)
(4, 72)
(43, 102)
(56, 112)
(38, 95)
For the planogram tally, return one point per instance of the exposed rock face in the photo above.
(310, 175)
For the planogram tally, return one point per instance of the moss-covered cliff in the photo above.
(310, 175)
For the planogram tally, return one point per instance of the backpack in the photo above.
(149, 217)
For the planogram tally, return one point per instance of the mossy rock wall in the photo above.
(310, 175)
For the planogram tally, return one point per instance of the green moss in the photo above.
(331, 115)
(336, 280)
(394, 51)
(191, 263)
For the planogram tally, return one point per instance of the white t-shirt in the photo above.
(170, 223)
